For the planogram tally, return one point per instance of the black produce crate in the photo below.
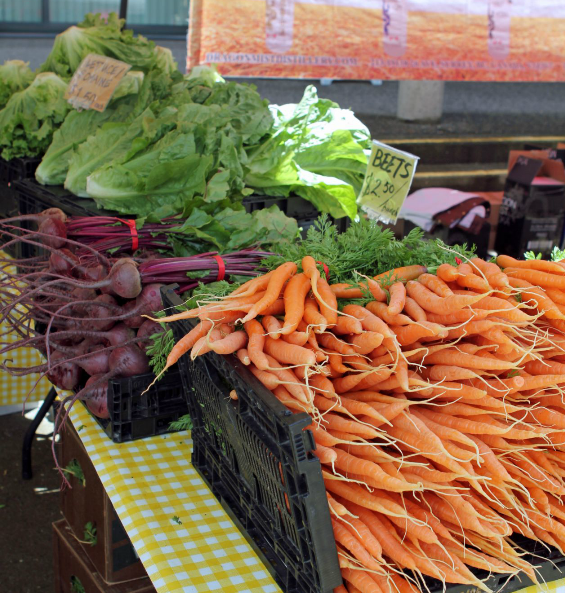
(255, 456)
(11, 171)
(304, 211)
(137, 415)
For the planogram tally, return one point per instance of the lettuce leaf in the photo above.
(30, 117)
(79, 125)
(315, 150)
(15, 76)
(95, 35)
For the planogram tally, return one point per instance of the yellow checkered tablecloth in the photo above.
(14, 390)
(151, 481)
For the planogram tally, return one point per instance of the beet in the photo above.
(93, 273)
(100, 312)
(134, 321)
(120, 334)
(124, 278)
(148, 328)
(55, 232)
(150, 301)
(96, 363)
(66, 375)
(63, 262)
(128, 361)
(81, 295)
(97, 401)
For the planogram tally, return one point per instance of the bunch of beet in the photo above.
(89, 310)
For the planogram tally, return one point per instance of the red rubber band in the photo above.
(221, 268)
(326, 270)
(458, 261)
(133, 230)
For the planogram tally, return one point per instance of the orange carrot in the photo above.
(505, 261)
(276, 282)
(434, 304)
(256, 344)
(204, 344)
(408, 334)
(366, 342)
(295, 292)
(252, 286)
(403, 274)
(187, 342)
(289, 353)
(337, 345)
(277, 308)
(346, 291)
(536, 295)
(435, 284)
(344, 537)
(272, 326)
(243, 356)
(347, 325)
(413, 310)
(361, 580)
(313, 317)
(447, 273)
(230, 343)
(381, 311)
(327, 302)
(397, 298)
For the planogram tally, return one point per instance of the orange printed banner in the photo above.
(501, 40)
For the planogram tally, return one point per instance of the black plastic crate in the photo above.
(296, 207)
(11, 171)
(137, 415)
(256, 457)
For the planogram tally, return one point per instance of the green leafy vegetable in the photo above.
(315, 150)
(90, 536)
(183, 423)
(74, 469)
(177, 520)
(79, 125)
(532, 255)
(15, 76)
(95, 35)
(557, 254)
(30, 117)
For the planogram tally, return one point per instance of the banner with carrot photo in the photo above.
(380, 39)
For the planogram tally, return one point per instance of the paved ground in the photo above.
(470, 108)
(27, 509)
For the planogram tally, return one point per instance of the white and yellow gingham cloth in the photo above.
(14, 390)
(151, 481)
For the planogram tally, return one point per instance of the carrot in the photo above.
(340, 589)
(284, 396)
(335, 422)
(187, 342)
(325, 454)
(544, 367)
(289, 353)
(277, 308)
(251, 286)
(397, 298)
(403, 274)
(204, 344)
(276, 282)
(451, 356)
(272, 326)
(464, 425)
(542, 279)
(556, 295)
(434, 304)
(376, 291)
(243, 356)
(230, 343)
(377, 524)
(374, 378)
(361, 580)
(408, 334)
(505, 261)
(359, 530)
(413, 310)
(313, 317)
(289, 379)
(347, 291)
(327, 302)
(344, 537)
(468, 279)
(541, 301)
(435, 284)
(347, 325)
(295, 292)
(256, 344)
(330, 341)
(296, 338)
(269, 380)
(460, 316)
(381, 310)
(366, 342)
(447, 273)
(370, 321)
(442, 372)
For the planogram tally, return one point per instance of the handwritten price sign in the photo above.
(95, 81)
(387, 182)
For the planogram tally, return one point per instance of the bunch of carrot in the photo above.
(437, 407)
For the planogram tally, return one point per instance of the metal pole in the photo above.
(123, 9)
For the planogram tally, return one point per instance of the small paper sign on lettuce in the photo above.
(387, 182)
(95, 81)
